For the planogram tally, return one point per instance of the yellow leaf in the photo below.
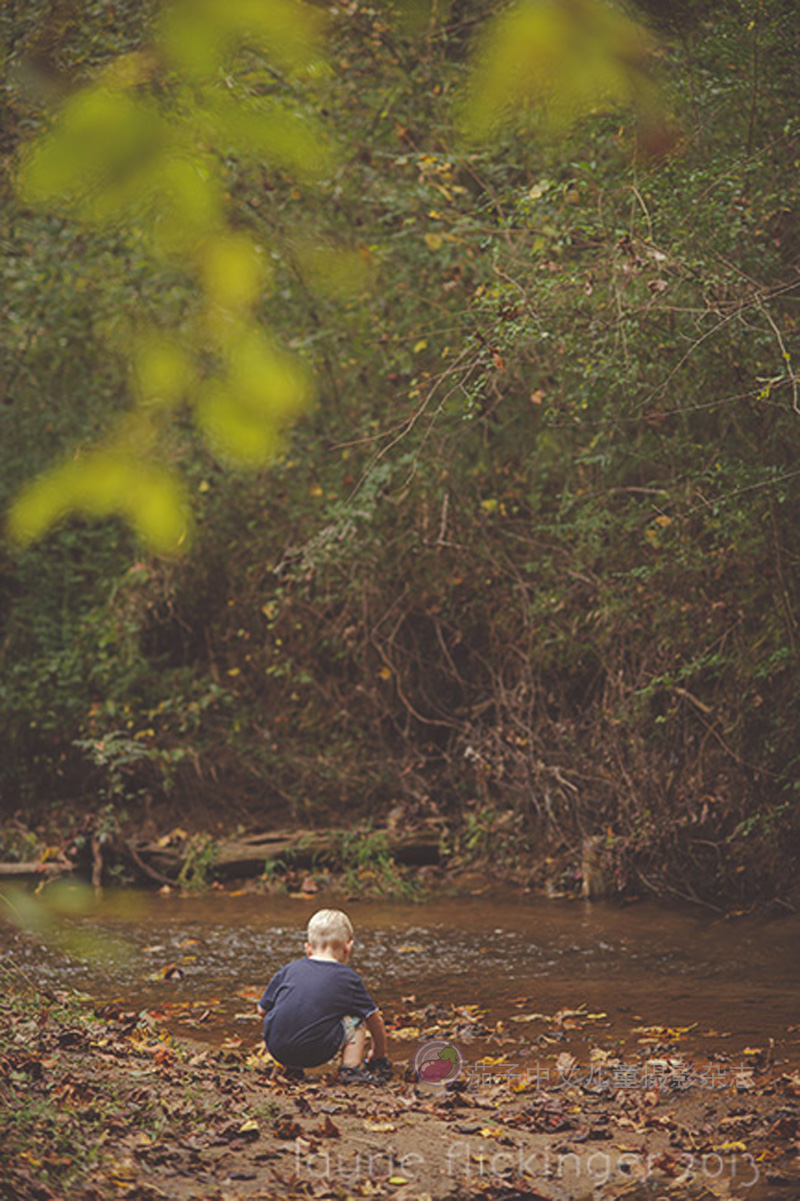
(102, 484)
(565, 59)
(186, 198)
(287, 30)
(232, 270)
(433, 241)
(232, 429)
(266, 379)
(419, 346)
(98, 157)
(162, 370)
(268, 130)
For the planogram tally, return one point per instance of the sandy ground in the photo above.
(97, 1103)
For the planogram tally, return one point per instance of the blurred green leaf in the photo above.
(186, 201)
(563, 58)
(233, 430)
(198, 35)
(105, 483)
(233, 271)
(162, 370)
(268, 380)
(268, 130)
(243, 414)
(98, 158)
(59, 914)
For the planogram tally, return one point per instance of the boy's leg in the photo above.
(355, 1037)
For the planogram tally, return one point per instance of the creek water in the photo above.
(202, 961)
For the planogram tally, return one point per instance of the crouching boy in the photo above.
(318, 1006)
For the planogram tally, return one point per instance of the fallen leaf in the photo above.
(565, 1063)
(287, 1129)
(327, 1129)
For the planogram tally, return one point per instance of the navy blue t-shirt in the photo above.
(305, 1002)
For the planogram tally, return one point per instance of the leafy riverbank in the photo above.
(407, 858)
(531, 565)
(100, 1102)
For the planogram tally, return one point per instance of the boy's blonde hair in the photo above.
(329, 928)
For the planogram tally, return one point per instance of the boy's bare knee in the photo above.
(353, 1051)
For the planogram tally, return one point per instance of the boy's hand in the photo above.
(261, 1012)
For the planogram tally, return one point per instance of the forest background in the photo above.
(528, 563)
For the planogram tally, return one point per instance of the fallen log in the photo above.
(34, 870)
(249, 855)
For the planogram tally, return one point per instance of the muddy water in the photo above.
(737, 983)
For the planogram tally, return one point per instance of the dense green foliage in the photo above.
(533, 557)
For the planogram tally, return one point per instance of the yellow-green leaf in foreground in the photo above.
(243, 415)
(267, 379)
(563, 57)
(186, 202)
(98, 157)
(233, 271)
(105, 483)
(261, 129)
(198, 35)
(162, 371)
(233, 430)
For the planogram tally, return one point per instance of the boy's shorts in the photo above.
(349, 1027)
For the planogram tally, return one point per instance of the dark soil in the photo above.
(99, 1103)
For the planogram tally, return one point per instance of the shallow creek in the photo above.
(200, 963)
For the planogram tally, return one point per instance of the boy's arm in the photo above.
(268, 996)
(374, 1024)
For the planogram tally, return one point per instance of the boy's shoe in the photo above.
(357, 1076)
(381, 1068)
(293, 1073)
